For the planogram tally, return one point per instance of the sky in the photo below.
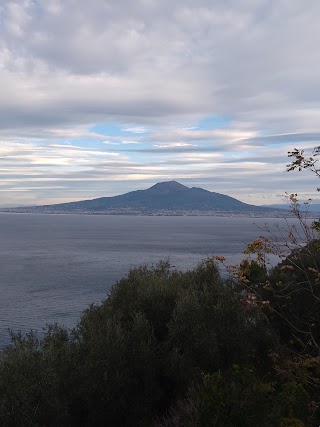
(104, 97)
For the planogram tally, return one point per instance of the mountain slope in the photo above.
(168, 196)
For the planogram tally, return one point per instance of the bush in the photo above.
(239, 397)
(187, 348)
(131, 357)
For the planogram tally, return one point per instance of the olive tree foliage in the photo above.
(242, 397)
(133, 356)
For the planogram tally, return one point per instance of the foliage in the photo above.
(131, 357)
(240, 396)
(300, 161)
(188, 349)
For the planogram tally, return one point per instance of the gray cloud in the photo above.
(287, 138)
(77, 62)
(68, 64)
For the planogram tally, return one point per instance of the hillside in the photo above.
(168, 198)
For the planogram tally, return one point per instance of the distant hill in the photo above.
(164, 198)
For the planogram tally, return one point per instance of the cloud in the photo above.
(136, 129)
(81, 62)
(157, 70)
(110, 143)
(174, 145)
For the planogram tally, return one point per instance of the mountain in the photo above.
(164, 198)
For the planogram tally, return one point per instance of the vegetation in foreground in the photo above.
(173, 349)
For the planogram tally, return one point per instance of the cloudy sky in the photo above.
(103, 97)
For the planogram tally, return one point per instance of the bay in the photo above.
(53, 266)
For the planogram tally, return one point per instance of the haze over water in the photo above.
(54, 266)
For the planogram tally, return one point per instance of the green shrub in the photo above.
(146, 347)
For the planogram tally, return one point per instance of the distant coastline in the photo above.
(227, 214)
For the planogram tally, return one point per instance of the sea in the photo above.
(52, 267)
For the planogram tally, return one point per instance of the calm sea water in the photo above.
(53, 266)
